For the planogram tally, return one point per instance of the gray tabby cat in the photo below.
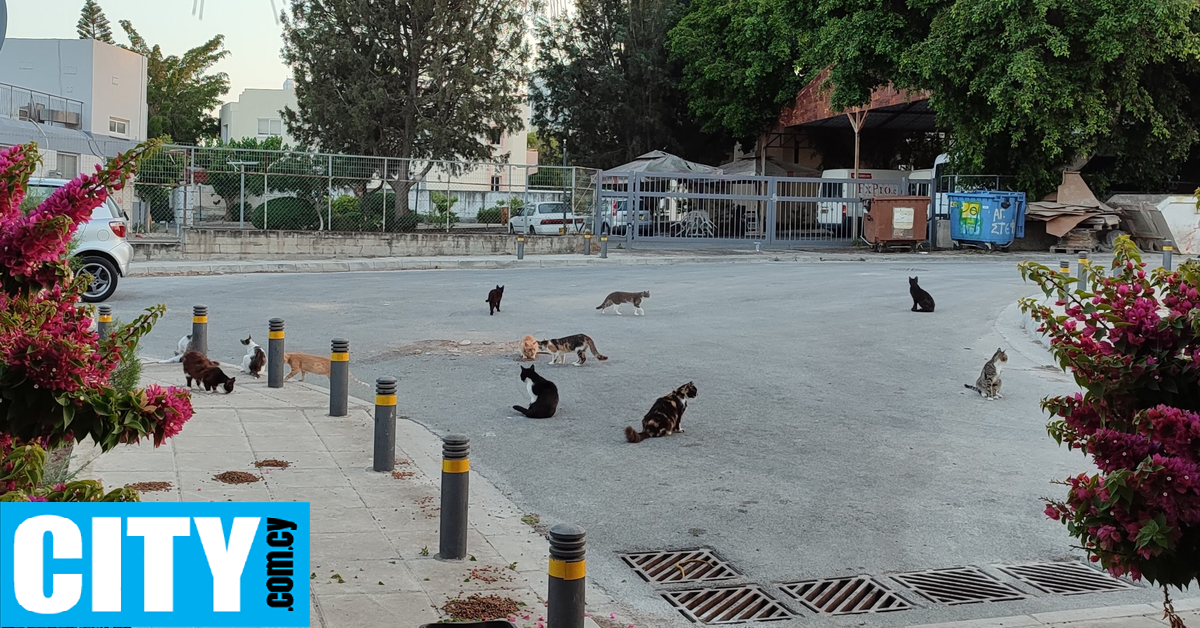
(616, 299)
(988, 383)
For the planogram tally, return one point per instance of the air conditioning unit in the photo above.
(64, 117)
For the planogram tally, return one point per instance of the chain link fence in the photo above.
(219, 187)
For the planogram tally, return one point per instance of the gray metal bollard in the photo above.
(199, 329)
(275, 353)
(603, 247)
(385, 424)
(339, 377)
(1083, 272)
(568, 577)
(103, 320)
(1064, 267)
(456, 464)
(1168, 253)
(520, 247)
(587, 244)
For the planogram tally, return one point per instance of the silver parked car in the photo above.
(100, 242)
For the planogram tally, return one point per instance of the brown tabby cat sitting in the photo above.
(205, 372)
(665, 416)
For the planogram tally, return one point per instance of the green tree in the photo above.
(1027, 87)
(606, 89)
(93, 24)
(415, 79)
(225, 178)
(180, 93)
(739, 61)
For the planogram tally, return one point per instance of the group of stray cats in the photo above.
(988, 383)
(665, 416)
(209, 374)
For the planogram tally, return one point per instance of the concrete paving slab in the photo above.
(1084, 614)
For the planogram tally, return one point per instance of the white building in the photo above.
(258, 113)
(81, 100)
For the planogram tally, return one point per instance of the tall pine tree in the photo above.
(93, 24)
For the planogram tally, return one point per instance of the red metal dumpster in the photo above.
(896, 222)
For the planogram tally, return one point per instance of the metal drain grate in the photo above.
(962, 585)
(845, 596)
(698, 565)
(1065, 578)
(727, 605)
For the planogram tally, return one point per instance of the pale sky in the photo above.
(252, 37)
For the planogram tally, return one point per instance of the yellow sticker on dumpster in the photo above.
(968, 217)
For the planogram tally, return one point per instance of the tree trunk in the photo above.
(400, 184)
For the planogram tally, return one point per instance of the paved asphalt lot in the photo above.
(832, 435)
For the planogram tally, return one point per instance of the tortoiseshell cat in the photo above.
(989, 382)
(922, 301)
(616, 299)
(205, 372)
(578, 343)
(304, 363)
(543, 395)
(665, 416)
(493, 300)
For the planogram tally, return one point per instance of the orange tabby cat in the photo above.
(529, 348)
(304, 363)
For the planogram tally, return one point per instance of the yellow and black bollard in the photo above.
(587, 244)
(456, 486)
(1168, 252)
(568, 577)
(385, 424)
(1083, 270)
(339, 377)
(199, 329)
(603, 247)
(1064, 267)
(275, 352)
(520, 247)
(103, 320)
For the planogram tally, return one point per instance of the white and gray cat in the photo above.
(254, 360)
(616, 299)
(988, 384)
(180, 349)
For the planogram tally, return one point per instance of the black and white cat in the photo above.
(254, 360)
(543, 395)
(180, 349)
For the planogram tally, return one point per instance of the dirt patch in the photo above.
(236, 477)
(272, 463)
(149, 487)
(481, 608)
(485, 348)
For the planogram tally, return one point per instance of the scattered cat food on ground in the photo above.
(149, 487)
(489, 575)
(273, 463)
(403, 475)
(480, 608)
(236, 477)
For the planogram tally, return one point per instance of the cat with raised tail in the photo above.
(493, 300)
(577, 344)
(543, 395)
(988, 384)
(254, 360)
(922, 301)
(616, 299)
(665, 416)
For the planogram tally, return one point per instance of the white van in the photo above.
(840, 213)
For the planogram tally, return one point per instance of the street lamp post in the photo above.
(242, 197)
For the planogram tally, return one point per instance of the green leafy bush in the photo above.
(128, 372)
(489, 215)
(442, 214)
(404, 224)
(288, 213)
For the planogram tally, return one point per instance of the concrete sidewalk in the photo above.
(1133, 616)
(375, 535)
(637, 257)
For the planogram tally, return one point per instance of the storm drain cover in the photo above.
(697, 565)
(845, 596)
(960, 585)
(727, 605)
(1065, 578)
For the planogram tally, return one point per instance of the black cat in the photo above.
(543, 395)
(493, 299)
(922, 301)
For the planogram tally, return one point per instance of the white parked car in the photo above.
(100, 242)
(546, 218)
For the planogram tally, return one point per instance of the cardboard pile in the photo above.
(1075, 215)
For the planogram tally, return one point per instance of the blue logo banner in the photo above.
(154, 564)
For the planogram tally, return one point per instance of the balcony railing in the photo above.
(27, 104)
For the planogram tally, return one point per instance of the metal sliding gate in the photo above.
(730, 209)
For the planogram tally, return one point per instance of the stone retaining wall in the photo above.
(237, 244)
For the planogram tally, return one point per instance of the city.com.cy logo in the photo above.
(154, 564)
